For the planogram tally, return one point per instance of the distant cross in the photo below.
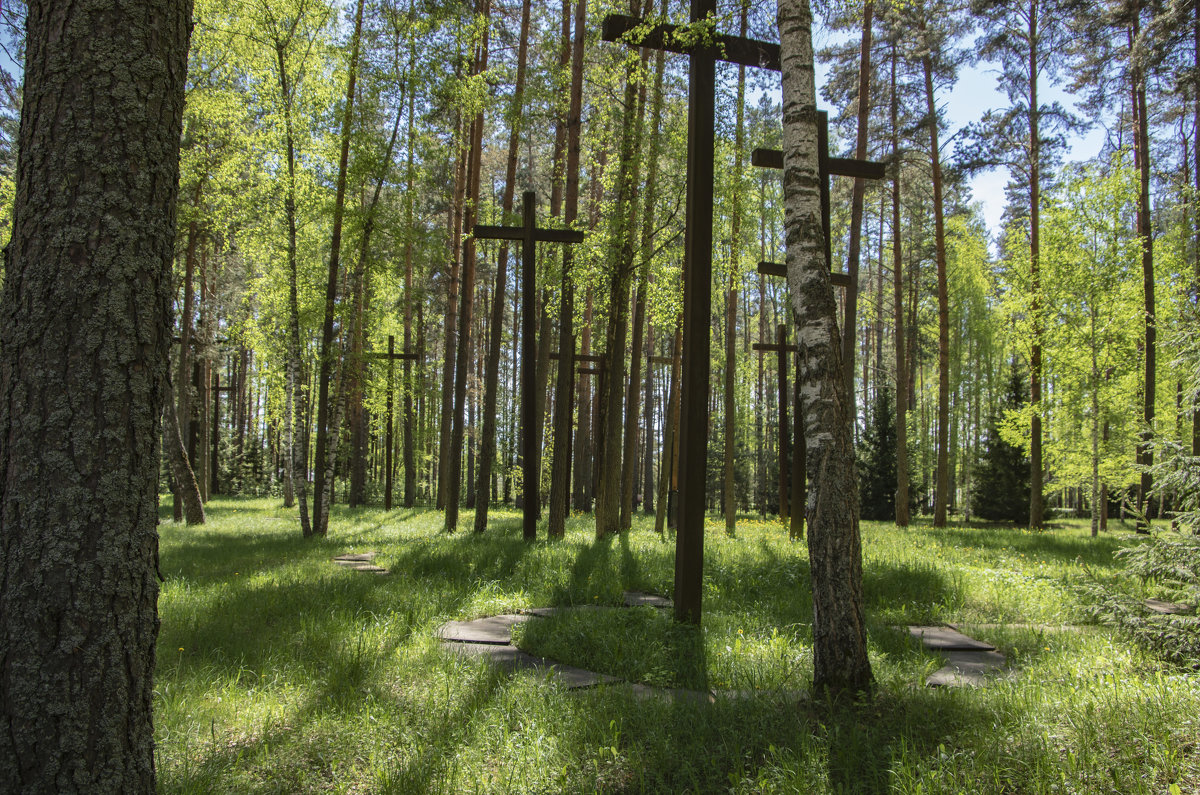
(697, 270)
(528, 235)
(391, 357)
(782, 349)
(826, 166)
(597, 370)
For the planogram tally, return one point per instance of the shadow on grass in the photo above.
(1054, 547)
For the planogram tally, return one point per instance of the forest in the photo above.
(442, 310)
(335, 160)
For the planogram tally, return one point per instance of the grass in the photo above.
(281, 672)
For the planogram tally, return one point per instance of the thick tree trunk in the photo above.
(835, 550)
(85, 336)
(323, 478)
(942, 489)
(487, 444)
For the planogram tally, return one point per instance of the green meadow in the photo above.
(280, 672)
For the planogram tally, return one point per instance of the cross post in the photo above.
(391, 357)
(528, 234)
(697, 270)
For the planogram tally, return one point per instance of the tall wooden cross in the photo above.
(528, 235)
(391, 357)
(826, 167)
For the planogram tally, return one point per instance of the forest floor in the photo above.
(281, 672)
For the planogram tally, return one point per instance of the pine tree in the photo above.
(1001, 477)
(877, 461)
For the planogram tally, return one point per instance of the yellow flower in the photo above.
(181, 648)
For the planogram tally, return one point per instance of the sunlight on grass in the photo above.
(279, 671)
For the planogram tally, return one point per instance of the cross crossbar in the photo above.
(837, 166)
(529, 236)
(766, 347)
(779, 269)
(732, 49)
(581, 357)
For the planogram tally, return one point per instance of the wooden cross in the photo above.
(827, 166)
(597, 370)
(391, 357)
(697, 268)
(782, 348)
(217, 389)
(528, 235)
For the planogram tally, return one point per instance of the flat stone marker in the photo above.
(511, 658)
(638, 598)
(948, 639)
(495, 630)
(1166, 608)
(364, 557)
(672, 694)
(546, 612)
(966, 669)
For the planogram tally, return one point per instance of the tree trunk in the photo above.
(323, 477)
(668, 457)
(1145, 232)
(1036, 508)
(85, 337)
(466, 305)
(942, 489)
(186, 490)
(559, 476)
(856, 201)
(297, 450)
(487, 444)
(839, 634)
(648, 445)
(450, 327)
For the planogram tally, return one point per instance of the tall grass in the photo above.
(281, 672)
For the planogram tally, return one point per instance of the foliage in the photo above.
(877, 461)
(1001, 478)
(1168, 565)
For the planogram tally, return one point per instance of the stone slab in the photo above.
(1166, 608)
(493, 629)
(513, 659)
(361, 565)
(672, 694)
(967, 669)
(948, 639)
(360, 556)
(639, 598)
(546, 612)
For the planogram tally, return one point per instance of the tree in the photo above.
(834, 546)
(1001, 479)
(1029, 41)
(84, 338)
(877, 461)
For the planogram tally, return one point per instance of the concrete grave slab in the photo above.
(358, 556)
(493, 629)
(1165, 608)
(639, 598)
(362, 565)
(546, 612)
(967, 669)
(948, 639)
(513, 659)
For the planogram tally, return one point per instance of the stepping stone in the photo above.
(362, 565)
(1166, 608)
(948, 639)
(360, 557)
(966, 669)
(513, 659)
(546, 612)
(672, 694)
(493, 629)
(638, 598)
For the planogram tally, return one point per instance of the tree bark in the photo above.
(1036, 508)
(856, 201)
(85, 336)
(902, 498)
(835, 549)
(942, 490)
(466, 305)
(323, 477)
(487, 444)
